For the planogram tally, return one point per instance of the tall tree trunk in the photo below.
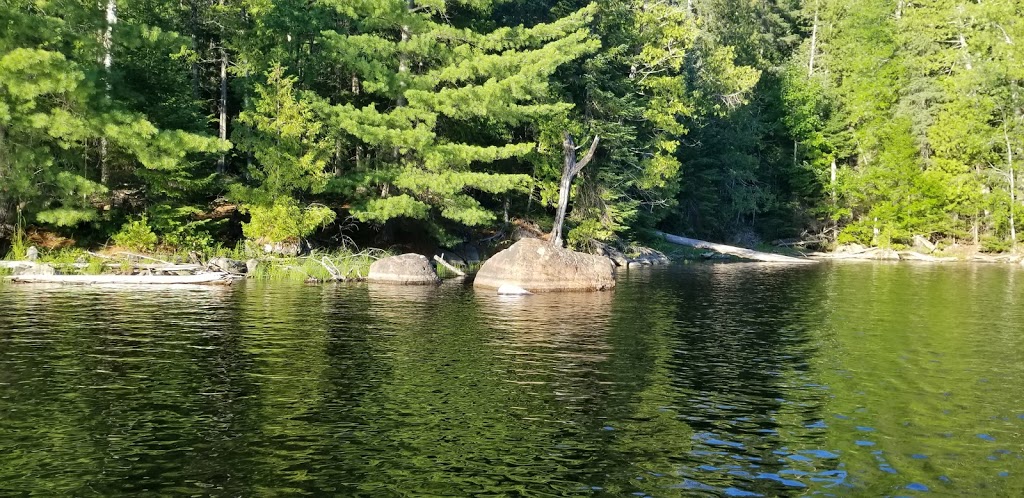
(6, 211)
(570, 169)
(222, 104)
(194, 37)
(108, 61)
(814, 43)
(1013, 186)
(833, 174)
(403, 57)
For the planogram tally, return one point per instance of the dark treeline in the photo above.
(866, 121)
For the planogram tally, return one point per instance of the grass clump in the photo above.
(320, 266)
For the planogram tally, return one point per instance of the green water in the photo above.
(727, 380)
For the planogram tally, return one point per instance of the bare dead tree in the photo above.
(569, 172)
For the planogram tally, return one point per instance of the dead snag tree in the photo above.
(569, 171)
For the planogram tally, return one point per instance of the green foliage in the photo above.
(136, 235)
(285, 221)
(69, 131)
(716, 117)
(285, 140)
(19, 245)
(177, 228)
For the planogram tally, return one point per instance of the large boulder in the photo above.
(537, 266)
(404, 269)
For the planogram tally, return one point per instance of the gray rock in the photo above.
(228, 265)
(851, 249)
(538, 266)
(888, 255)
(251, 266)
(409, 269)
(287, 249)
(32, 253)
(923, 245)
(39, 269)
(613, 254)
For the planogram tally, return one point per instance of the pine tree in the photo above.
(64, 126)
(442, 118)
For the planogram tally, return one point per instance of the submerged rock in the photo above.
(513, 290)
(410, 269)
(537, 266)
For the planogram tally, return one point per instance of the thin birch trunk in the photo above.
(108, 61)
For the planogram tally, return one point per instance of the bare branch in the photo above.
(586, 159)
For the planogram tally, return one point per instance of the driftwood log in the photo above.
(201, 278)
(169, 267)
(449, 266)
(739, 252)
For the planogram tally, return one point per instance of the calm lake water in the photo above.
(728, 380)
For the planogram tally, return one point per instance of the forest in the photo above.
(190, 124)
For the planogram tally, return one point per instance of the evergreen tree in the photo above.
(440, 118)
(66, 133)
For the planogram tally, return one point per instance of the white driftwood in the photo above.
(202, 278)
(732, 250)
(169, 267)
(449, 266)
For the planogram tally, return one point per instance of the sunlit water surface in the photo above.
(728, 380)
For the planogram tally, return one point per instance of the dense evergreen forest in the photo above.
(198, 122)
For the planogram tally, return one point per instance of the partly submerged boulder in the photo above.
(404, 269)
(537, 266)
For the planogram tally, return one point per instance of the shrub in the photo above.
(993, 244)
(285, 221)
(136, 235)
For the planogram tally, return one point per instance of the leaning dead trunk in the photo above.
(731, 250)
(570, 169)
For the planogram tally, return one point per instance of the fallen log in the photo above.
(202, 278)
(170, 267)
(449, 266)
(739, 252)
